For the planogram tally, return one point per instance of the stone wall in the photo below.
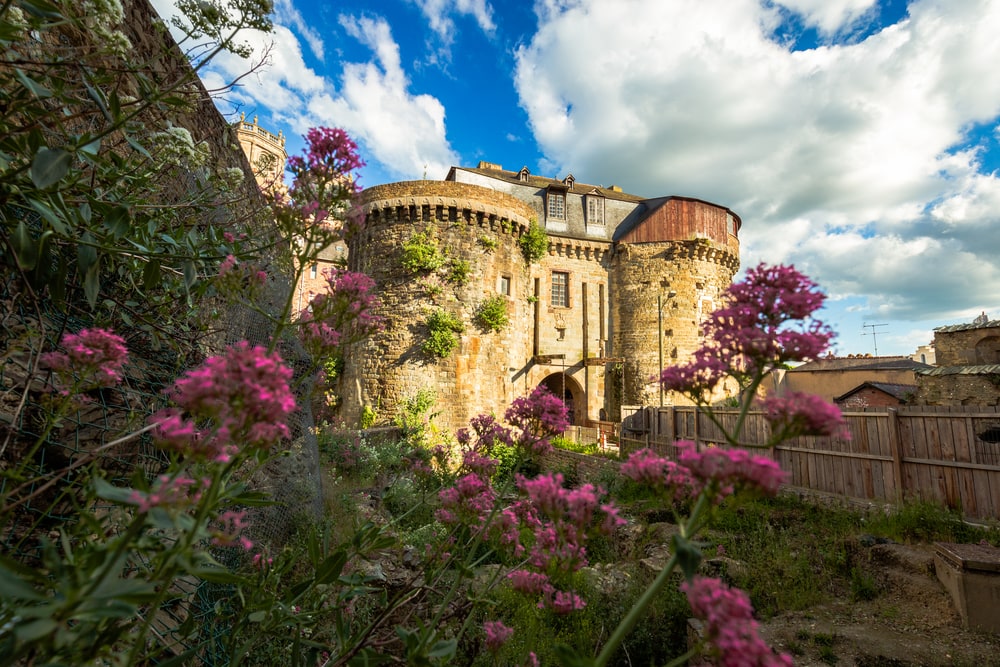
(968, 348)
(684, 281)
(958, 389)
(464, 220)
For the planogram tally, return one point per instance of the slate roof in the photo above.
(861, 364)
(542, 182)
(969, 326)
(982, 369)
(899, 391)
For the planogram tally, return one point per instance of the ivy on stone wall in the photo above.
(491, 314)
(534, 243)
(444, 328)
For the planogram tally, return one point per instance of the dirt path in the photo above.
(910, 622)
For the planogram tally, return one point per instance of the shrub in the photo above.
(443, 338)
(491, 314)
(534, 243)
(487, 244)
(459, 272)
(421, 253)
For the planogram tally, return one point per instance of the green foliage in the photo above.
(487, 244)
(459, 271)
(414, 416)
(491, 313)
(562, 442)
(534, 243)
(88, 138)
(422, 253)
(444, 329)
(369, 416)
(925, 521)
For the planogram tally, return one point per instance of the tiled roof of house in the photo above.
(982, 369)
(899, 391)
(860, 364)
(968, 326)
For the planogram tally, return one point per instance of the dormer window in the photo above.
(555, 202)
(523, 175)
(569, 181)
(595, 209)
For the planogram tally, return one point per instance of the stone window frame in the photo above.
(565, 300)
(505, 284)
(314, 270)
(593, 202)
(553, 211)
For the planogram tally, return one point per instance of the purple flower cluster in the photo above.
(767, 321)
(341, 315)
(798, 414)
(92, 358)
(331, 153)
(723, 470)
(239, 397)
(729, 627)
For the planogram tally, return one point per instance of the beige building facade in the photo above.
(619, 293)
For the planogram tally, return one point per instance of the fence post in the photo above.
(896, 449)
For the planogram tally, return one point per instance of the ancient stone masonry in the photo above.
(620, 293)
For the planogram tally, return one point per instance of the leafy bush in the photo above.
(444, 329)
(459, 272)
(487, 244)
(491, 314)
(534, 243)
(421, 253)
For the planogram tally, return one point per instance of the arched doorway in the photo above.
(571, 392)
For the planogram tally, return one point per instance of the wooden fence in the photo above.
(948, 455)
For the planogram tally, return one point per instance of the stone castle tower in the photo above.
(621, 292)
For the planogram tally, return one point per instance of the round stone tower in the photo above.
(667, 274)
(476, 231)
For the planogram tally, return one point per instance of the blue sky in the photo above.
(857, 139)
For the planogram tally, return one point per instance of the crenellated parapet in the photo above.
(443, 201)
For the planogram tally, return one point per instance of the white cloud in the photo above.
(406, 132)
(841, 159)
(287, 14)
(402, 131)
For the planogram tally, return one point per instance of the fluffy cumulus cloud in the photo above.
(852, 158)
(402, 131)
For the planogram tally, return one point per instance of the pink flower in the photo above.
(731, 467)
(804, 414)
(92, 358)
(242, 395)
(647, 467)
(528, 582)
(170, 493)
(729, 627)
(343, 314)
(563, 602)
(229, 531)
(539, 415)
(497, 635)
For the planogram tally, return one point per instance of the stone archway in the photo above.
(564, 386)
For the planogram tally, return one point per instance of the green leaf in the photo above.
(119, 221)
(37, 89)
(86, 253)
(330, 569)
(568, 657)
(443, 649)
(35, 630)
(25, 247)
(91, 149)
(106, 491)
(257, 616)
(57, 282)
(217, 575)
(41, 9)
(49, 166)
(151, 275)
(190, 273)
(688, 556)
(92, 284)
(13, 587)
(50, 216)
